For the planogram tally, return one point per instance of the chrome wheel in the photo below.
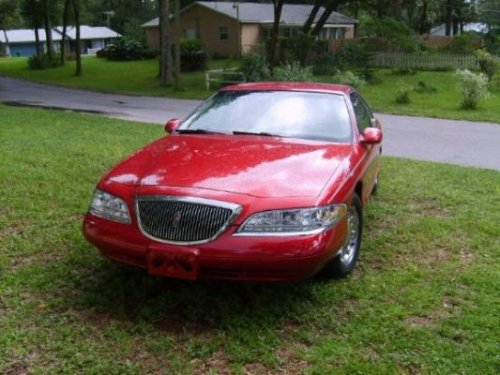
(351, 245)
(344, 261)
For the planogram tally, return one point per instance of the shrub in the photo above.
(254, 67)
(128, 49)
(423, 88)
(403, 71)
(193, 56)
(462, 44)
(325, 64)
(43, 62)
(474, 88)
(300, 45)
(390, 34)
(487, 63)
(293, 72)
(354, 54)
(403, 94)
(348, 78)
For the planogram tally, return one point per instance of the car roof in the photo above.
(290, 86)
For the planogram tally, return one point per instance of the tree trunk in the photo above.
(278, 6)
(310, 20)
(422, 25)
(398, 9)
(78, 46)
(449, 17)
(165, 45)
(48, 30)
(177, 44)
(37, 43)
(331, 7)
(65, 25)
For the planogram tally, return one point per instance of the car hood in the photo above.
(258, 166)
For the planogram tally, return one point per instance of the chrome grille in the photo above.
(182, 220)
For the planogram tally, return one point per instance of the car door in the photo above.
(371, 159)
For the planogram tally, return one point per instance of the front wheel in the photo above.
(344, 262)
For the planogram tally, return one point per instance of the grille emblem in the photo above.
(177, 219)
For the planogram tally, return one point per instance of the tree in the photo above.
(48, 28)
(78, 44)
(32, 11)
(165, 44)
(278, 6)
(65, 25)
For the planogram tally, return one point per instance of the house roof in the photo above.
(291, 14)
(89, 32)
(28, 35)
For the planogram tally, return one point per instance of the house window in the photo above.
(223, 33)
(191, 33)
(340, 33)
(287, 32)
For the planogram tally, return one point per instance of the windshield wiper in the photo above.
(196, 131)
(265, 134)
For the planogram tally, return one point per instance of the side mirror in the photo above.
(371, 136)
(172, 125)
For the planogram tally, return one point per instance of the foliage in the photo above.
(463, 44)
(423, 88)
(391, 34)
(325, 63)
(403, 71)
(474, 88)
(487, 63)
(354, 54)
(127, 50)
(348, 78)
(293, 72)
(300, 45)
(254, 67)
(193, 56)
(43, 62)
(403, 96)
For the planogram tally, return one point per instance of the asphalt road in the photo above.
(465, 143)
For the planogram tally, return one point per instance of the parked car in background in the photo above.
(263, 181)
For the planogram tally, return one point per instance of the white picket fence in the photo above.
(425, 61)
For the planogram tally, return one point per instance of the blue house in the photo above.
(22, 42)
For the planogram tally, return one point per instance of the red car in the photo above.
(263, 181)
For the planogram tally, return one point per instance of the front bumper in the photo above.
(227, 257)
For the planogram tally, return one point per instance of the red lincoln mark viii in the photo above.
(263, 181)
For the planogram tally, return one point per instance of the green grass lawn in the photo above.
(140, 78)
(423, 299)
(131, 77)
(444, 103)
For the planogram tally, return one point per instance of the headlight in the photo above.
(109, 207)
(293, 221)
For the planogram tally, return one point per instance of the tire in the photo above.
(345, 261)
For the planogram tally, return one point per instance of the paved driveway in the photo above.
(457, 142)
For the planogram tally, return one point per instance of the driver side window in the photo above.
(363, 117)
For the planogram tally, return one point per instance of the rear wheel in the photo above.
(344, 262)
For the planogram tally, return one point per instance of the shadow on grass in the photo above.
(117, 292)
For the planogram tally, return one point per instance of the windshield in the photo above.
(295, 114)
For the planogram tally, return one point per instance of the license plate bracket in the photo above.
(179, 262)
